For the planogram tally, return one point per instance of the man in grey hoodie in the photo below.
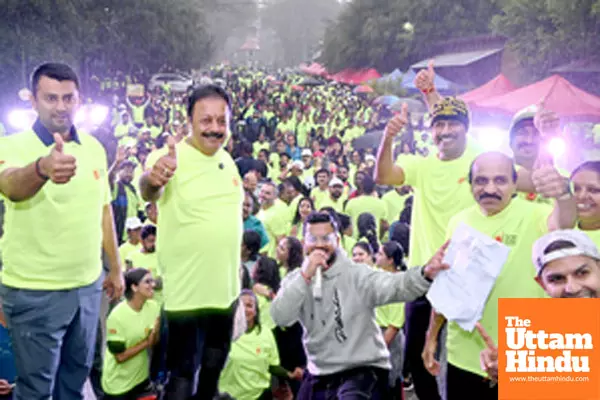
(334, 299)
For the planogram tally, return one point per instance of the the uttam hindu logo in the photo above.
(548, 349)
(524, 344)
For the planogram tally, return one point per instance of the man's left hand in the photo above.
(114, 285)
(436, 264)
(549, 183)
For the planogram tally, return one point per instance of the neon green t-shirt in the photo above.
(200, 230)
(337, 205)
(394, 203)
(53, 240)
(441, 190)
(390, 315)
(518, 226)
(366, 204)
(275, 221)
(130, 327)
(127, 248)
(246, 374)
(318, 196)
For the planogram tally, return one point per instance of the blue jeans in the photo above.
(354, 384)
(53, 335)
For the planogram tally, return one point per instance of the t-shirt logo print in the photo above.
(340, 335)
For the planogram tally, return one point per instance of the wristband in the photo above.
(38, 170)
(427, 91)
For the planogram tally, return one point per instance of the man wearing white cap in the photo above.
(568, 266)
(308, 177)
(133, 226)
(336, 196)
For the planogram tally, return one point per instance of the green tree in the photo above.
(100, 36)
(547, 33)
(389, 34)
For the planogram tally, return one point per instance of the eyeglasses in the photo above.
(327, 239)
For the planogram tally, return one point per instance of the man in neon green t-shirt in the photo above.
(58, 220)
(441, 190)
(199, 195)
(516, 223)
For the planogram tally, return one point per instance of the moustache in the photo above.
(213, 135)
(490, 196)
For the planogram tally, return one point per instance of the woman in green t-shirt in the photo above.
(305, 207)
(253, 359)
(132, 328)
(390, 317)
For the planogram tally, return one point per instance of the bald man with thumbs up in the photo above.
(58, 220)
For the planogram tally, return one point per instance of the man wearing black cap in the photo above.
(441, 191)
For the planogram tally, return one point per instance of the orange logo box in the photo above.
(549, 349)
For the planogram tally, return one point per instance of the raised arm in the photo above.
(386, 172)
(20, 184)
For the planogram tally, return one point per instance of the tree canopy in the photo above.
(389, 34)
(97, 36)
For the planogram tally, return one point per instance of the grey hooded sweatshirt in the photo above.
(340, 331)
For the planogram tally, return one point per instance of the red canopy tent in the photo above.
(314, 69)
(559, 95)
(496, 87)
(356, 77)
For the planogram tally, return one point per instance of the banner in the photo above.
(135, 90)
(549, 349)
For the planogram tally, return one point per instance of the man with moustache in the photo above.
(199, 194)
(441, 190)
(516, 223)
(347, 355)
(568, 266)
(335, 199)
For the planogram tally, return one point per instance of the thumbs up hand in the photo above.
(546, 121)
(396, 124)
(165, 167)
(425, 78)
(57, 166)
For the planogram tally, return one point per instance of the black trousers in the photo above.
(463, 384)
(418, 314)
(198, 340)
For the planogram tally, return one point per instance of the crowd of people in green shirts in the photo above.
(294, 147)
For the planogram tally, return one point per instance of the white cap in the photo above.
(370, 157)
(133, 223)
(583, 246)
(335, 181)
(298, 164)
(306, 152)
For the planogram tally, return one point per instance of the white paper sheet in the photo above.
(461, 292)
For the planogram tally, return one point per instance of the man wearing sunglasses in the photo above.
(335, 299)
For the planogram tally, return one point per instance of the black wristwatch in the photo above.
(38, 170)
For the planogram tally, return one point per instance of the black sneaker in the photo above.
(408, 384)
